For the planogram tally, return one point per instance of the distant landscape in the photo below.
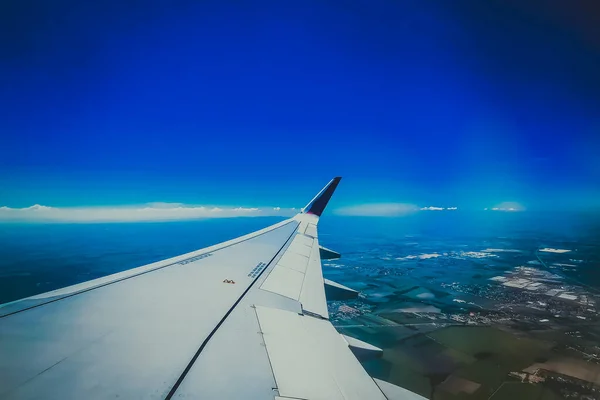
(491, 305)
(502, 307)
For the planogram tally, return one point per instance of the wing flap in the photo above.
(284, 281)
(294, 260)
(312, 295)
(299, 277)
(310, 359)
(311, 230)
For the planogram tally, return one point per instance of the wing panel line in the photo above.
(211, 334)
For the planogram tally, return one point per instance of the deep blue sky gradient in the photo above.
(446, 103)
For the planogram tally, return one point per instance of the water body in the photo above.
(35, 258)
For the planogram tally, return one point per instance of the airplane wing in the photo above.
(244, 319)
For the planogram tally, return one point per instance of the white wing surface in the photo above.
(244, 319)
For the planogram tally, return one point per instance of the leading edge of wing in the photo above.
(37, 300)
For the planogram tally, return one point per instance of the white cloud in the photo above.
(452, 208)
(245, 210)
(159, 204)
(508, 206)
(431, 208)
(148, 212)
(377, 210)
(421, 256)
(551, 250)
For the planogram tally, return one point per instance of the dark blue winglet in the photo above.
(318, 204)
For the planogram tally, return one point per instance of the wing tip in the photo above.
(318, 204)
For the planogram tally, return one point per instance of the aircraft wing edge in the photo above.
(16, 306)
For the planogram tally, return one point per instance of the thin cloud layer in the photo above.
(149, 212)
(386, 209)
(508, 206)
(378, 210)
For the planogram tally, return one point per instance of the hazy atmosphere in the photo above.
(446, 104)
(157, 233)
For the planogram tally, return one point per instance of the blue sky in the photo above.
(463, 103)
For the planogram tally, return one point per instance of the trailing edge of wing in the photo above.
(319, 202)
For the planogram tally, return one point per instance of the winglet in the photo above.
(319, 202)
